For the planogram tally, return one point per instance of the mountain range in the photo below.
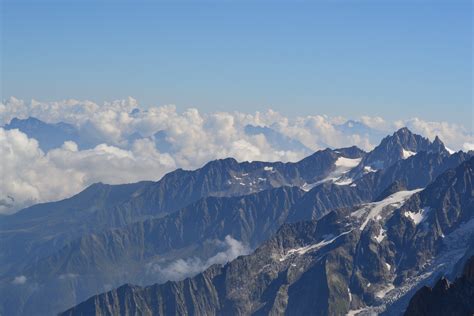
(53, 135)
(342, 231)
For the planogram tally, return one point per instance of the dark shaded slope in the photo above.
(258, 283)
(446, 299)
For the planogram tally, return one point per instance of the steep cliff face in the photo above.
(281, 276)
(446, 298)
(350, 260)
(401, 145)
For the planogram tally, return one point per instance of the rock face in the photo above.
(276, 278)
(316, 239)
(411, 173)
(348, 260)
(106, 233)
(446, 298)
(401, 145)
(42, 229)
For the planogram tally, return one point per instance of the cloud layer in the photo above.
(137, 143)
(183, 268)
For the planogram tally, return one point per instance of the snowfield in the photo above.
(375, 209)
(342, 166)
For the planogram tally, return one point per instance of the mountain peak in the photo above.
(400, 145)
(403, 131)
(437, 145)
(406, 138)
(17, 122)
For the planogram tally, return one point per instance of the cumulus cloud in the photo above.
(468, 146)
(375, 122)
(19, 280)
(453, 135)
(143, 143)
(183, 268)
(30, 176)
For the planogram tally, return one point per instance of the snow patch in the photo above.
(347, 163)
(407, 153)
(377, 207)
(418, 217)
(384, 291)
(327, 239)
(354, 312)
(308, 186)
(369, 169)
(381, 236)
(268, 168)
(345, 181)
(343, 166)
(455, 245)
(450, 151)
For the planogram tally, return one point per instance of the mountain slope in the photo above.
(446, 298)
(76, 249)
(401, 145)
(228, 289)
(40, 229)
(148, 251)
(412, 173)
(347, 260)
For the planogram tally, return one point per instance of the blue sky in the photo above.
(397, 59)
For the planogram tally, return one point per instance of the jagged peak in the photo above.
(401, 134)
(437, 145)
(408, 140)
(437, 140)
(403, 131)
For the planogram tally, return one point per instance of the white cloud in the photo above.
(30, 175)
(19, 280)
(453, 135)
(183, 268)
(375, 122)
(468, 146)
